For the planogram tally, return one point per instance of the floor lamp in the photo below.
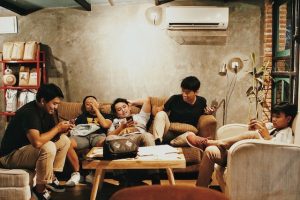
(234, 65)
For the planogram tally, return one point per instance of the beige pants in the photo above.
(161, 125)
(50, 157)
(213, 154)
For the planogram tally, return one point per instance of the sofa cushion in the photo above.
(182, 128)
(180, 141)
(15, 177)
(68, 110)
(106, 108)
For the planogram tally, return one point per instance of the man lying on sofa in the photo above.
(182, 108)
(132, 126)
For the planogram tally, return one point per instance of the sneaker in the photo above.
(41, 196)
(158, 142)
(90, 178)
(196, 141)
(55, 187)
(74, 180)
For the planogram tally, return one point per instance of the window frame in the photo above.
(293, 58)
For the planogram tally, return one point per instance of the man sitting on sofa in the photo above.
(182, 108)
(135, 127)
(132, 126)
(33, 141)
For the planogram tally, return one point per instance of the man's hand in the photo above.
(260, 127)
(95, 105)
(64, 126)
(209, 110)
(130, 123)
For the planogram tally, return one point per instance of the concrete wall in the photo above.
(113, 51)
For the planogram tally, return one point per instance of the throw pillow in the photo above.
(180, 141)
(182, 128)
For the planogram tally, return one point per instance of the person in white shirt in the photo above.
(215, 151)
(134, 127)
(131, 125)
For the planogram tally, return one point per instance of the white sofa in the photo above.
(259, 169)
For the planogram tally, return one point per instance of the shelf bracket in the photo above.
(84, 4)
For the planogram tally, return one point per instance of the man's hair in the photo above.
(190, 83)
(118, 100)
(286, 108)
(49, 92)
(83, 109)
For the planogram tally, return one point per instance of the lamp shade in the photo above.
(223, 70)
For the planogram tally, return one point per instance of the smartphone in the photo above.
(129, 118)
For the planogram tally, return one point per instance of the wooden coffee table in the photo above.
(166, 161)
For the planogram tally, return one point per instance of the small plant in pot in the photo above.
(258, 91)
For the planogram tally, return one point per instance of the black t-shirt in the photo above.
(182, 112)
(29, 116)
(87, 118)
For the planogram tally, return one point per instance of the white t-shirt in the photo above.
(140, 120)
(281, 136)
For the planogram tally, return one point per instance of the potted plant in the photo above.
(258, 91)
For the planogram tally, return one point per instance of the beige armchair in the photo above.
(259, 169)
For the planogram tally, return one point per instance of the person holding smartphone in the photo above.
(133, 126)
(215, 151)
(33, 141)
(186, 108)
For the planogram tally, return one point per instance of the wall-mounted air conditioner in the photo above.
(197, 17)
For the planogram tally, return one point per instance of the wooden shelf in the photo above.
(19, 87)
(19, 61)
(39, 63)
(8, 113)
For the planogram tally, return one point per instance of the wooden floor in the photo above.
(110, 186)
